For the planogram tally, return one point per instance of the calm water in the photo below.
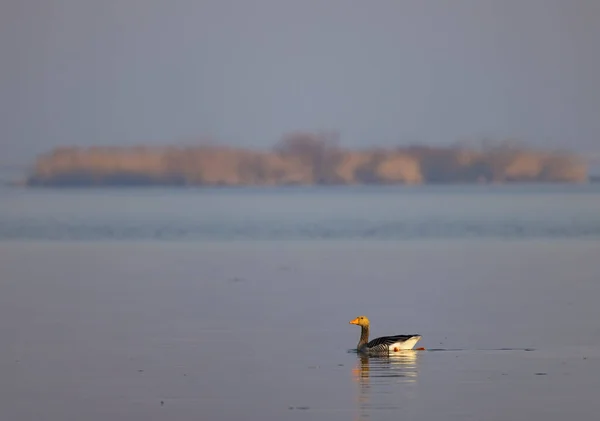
(374, 213)
(142, 304)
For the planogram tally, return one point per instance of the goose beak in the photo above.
(354, 322)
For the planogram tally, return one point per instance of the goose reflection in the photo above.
(379, 377)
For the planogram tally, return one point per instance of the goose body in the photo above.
(383, 344)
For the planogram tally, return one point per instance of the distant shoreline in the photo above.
(303, 159)
(100, 186)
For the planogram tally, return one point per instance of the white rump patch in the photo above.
(408, 344)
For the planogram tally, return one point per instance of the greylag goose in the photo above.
(384, 344)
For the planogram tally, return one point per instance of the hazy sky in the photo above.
(246, 71)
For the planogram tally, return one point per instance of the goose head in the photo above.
(362, 321)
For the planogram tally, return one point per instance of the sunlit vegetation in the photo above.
(304, 158)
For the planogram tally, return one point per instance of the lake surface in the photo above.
(157, 304)
(336, 213)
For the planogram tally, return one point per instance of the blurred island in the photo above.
(304, 159)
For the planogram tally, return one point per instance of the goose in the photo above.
(384, 344)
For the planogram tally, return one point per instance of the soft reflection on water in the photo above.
(402, 365)
(376, 376)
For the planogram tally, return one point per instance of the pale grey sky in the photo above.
(245, 71)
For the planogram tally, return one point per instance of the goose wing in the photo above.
(383, 343)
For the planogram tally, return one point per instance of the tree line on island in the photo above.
(304, 158)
